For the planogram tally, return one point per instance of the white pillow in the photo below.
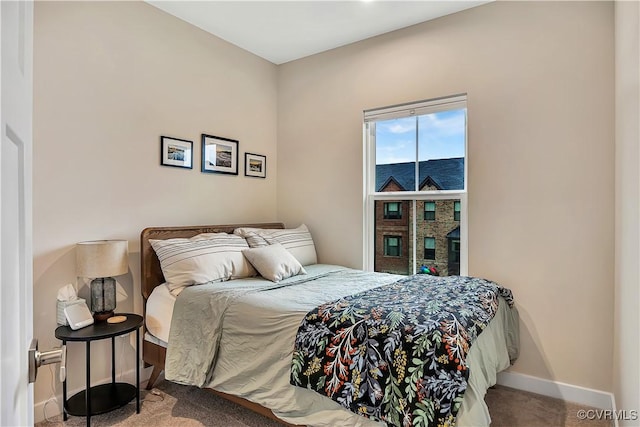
(298, 241)
(201, 259)
(274, 262)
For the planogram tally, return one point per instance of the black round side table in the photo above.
(105, 397)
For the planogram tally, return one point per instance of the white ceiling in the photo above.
(282, 31)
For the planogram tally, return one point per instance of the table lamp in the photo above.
(100, 260)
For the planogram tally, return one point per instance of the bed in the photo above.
(255, 339)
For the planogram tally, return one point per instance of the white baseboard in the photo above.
(55, 407)
(570, 393)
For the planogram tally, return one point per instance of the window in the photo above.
(454, 250)
(392, 245)
(429, 211)
(392, 210)
(429, 248)
(416, 164)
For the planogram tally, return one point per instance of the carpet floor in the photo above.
(171, 404)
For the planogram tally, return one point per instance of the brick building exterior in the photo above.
(437, 222)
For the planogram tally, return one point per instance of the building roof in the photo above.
(454, 234)
(444, 174)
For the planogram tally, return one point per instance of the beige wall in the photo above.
(539, 79)
(627, 189)
(109, 79)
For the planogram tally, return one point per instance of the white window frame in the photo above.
(370, 195)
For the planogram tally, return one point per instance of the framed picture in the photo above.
(219, 155)
(255, 165)
(176, 152)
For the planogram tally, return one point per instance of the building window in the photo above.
(393, 210)
(430, 248)
(429, 211)
(392, 245)
(454, 251)
(415, 161)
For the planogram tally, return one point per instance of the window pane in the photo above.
(441, 150)
(434, 142)
(456, 211)
(392, 210)
(429, 211)
(393, 240)
(436, 235)
(396, 154)
(393, 246)
(454, 253)
(429, 248)
(429, 243)
(438, 241)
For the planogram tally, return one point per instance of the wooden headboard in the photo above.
(150, 265)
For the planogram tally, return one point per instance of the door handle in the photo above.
(38, 358)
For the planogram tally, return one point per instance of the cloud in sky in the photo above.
(402, 150)
(441, 135)
(445, 123)
(400, 126)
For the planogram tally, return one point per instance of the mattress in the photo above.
(270, 386)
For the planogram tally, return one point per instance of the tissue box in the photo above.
(62, 319)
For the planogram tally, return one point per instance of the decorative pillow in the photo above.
(298, 241)
(274, 262)
(203, 258)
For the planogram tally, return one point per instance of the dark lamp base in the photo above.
(102, 315)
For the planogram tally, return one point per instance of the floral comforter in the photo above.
(397, 353)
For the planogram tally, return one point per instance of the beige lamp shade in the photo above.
(102, 258)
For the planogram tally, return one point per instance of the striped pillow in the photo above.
(254, 240)
(204, 258)
(298, 241)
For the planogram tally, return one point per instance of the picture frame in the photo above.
(219, 155)
(176, 152)
(255, 165)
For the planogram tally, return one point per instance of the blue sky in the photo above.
(441, 136)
